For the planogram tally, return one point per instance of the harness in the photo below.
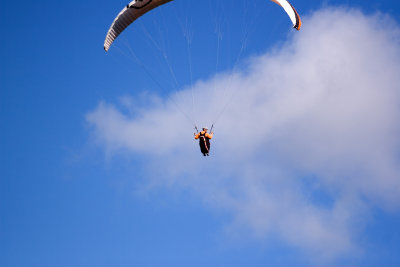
(203, 139)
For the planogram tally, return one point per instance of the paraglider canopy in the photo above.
(137, 8)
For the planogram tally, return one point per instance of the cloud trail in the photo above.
(318, 137)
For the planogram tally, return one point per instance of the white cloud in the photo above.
(318, 137)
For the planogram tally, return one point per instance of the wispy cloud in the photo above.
(308, 144)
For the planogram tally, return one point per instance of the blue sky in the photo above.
(98, 166)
